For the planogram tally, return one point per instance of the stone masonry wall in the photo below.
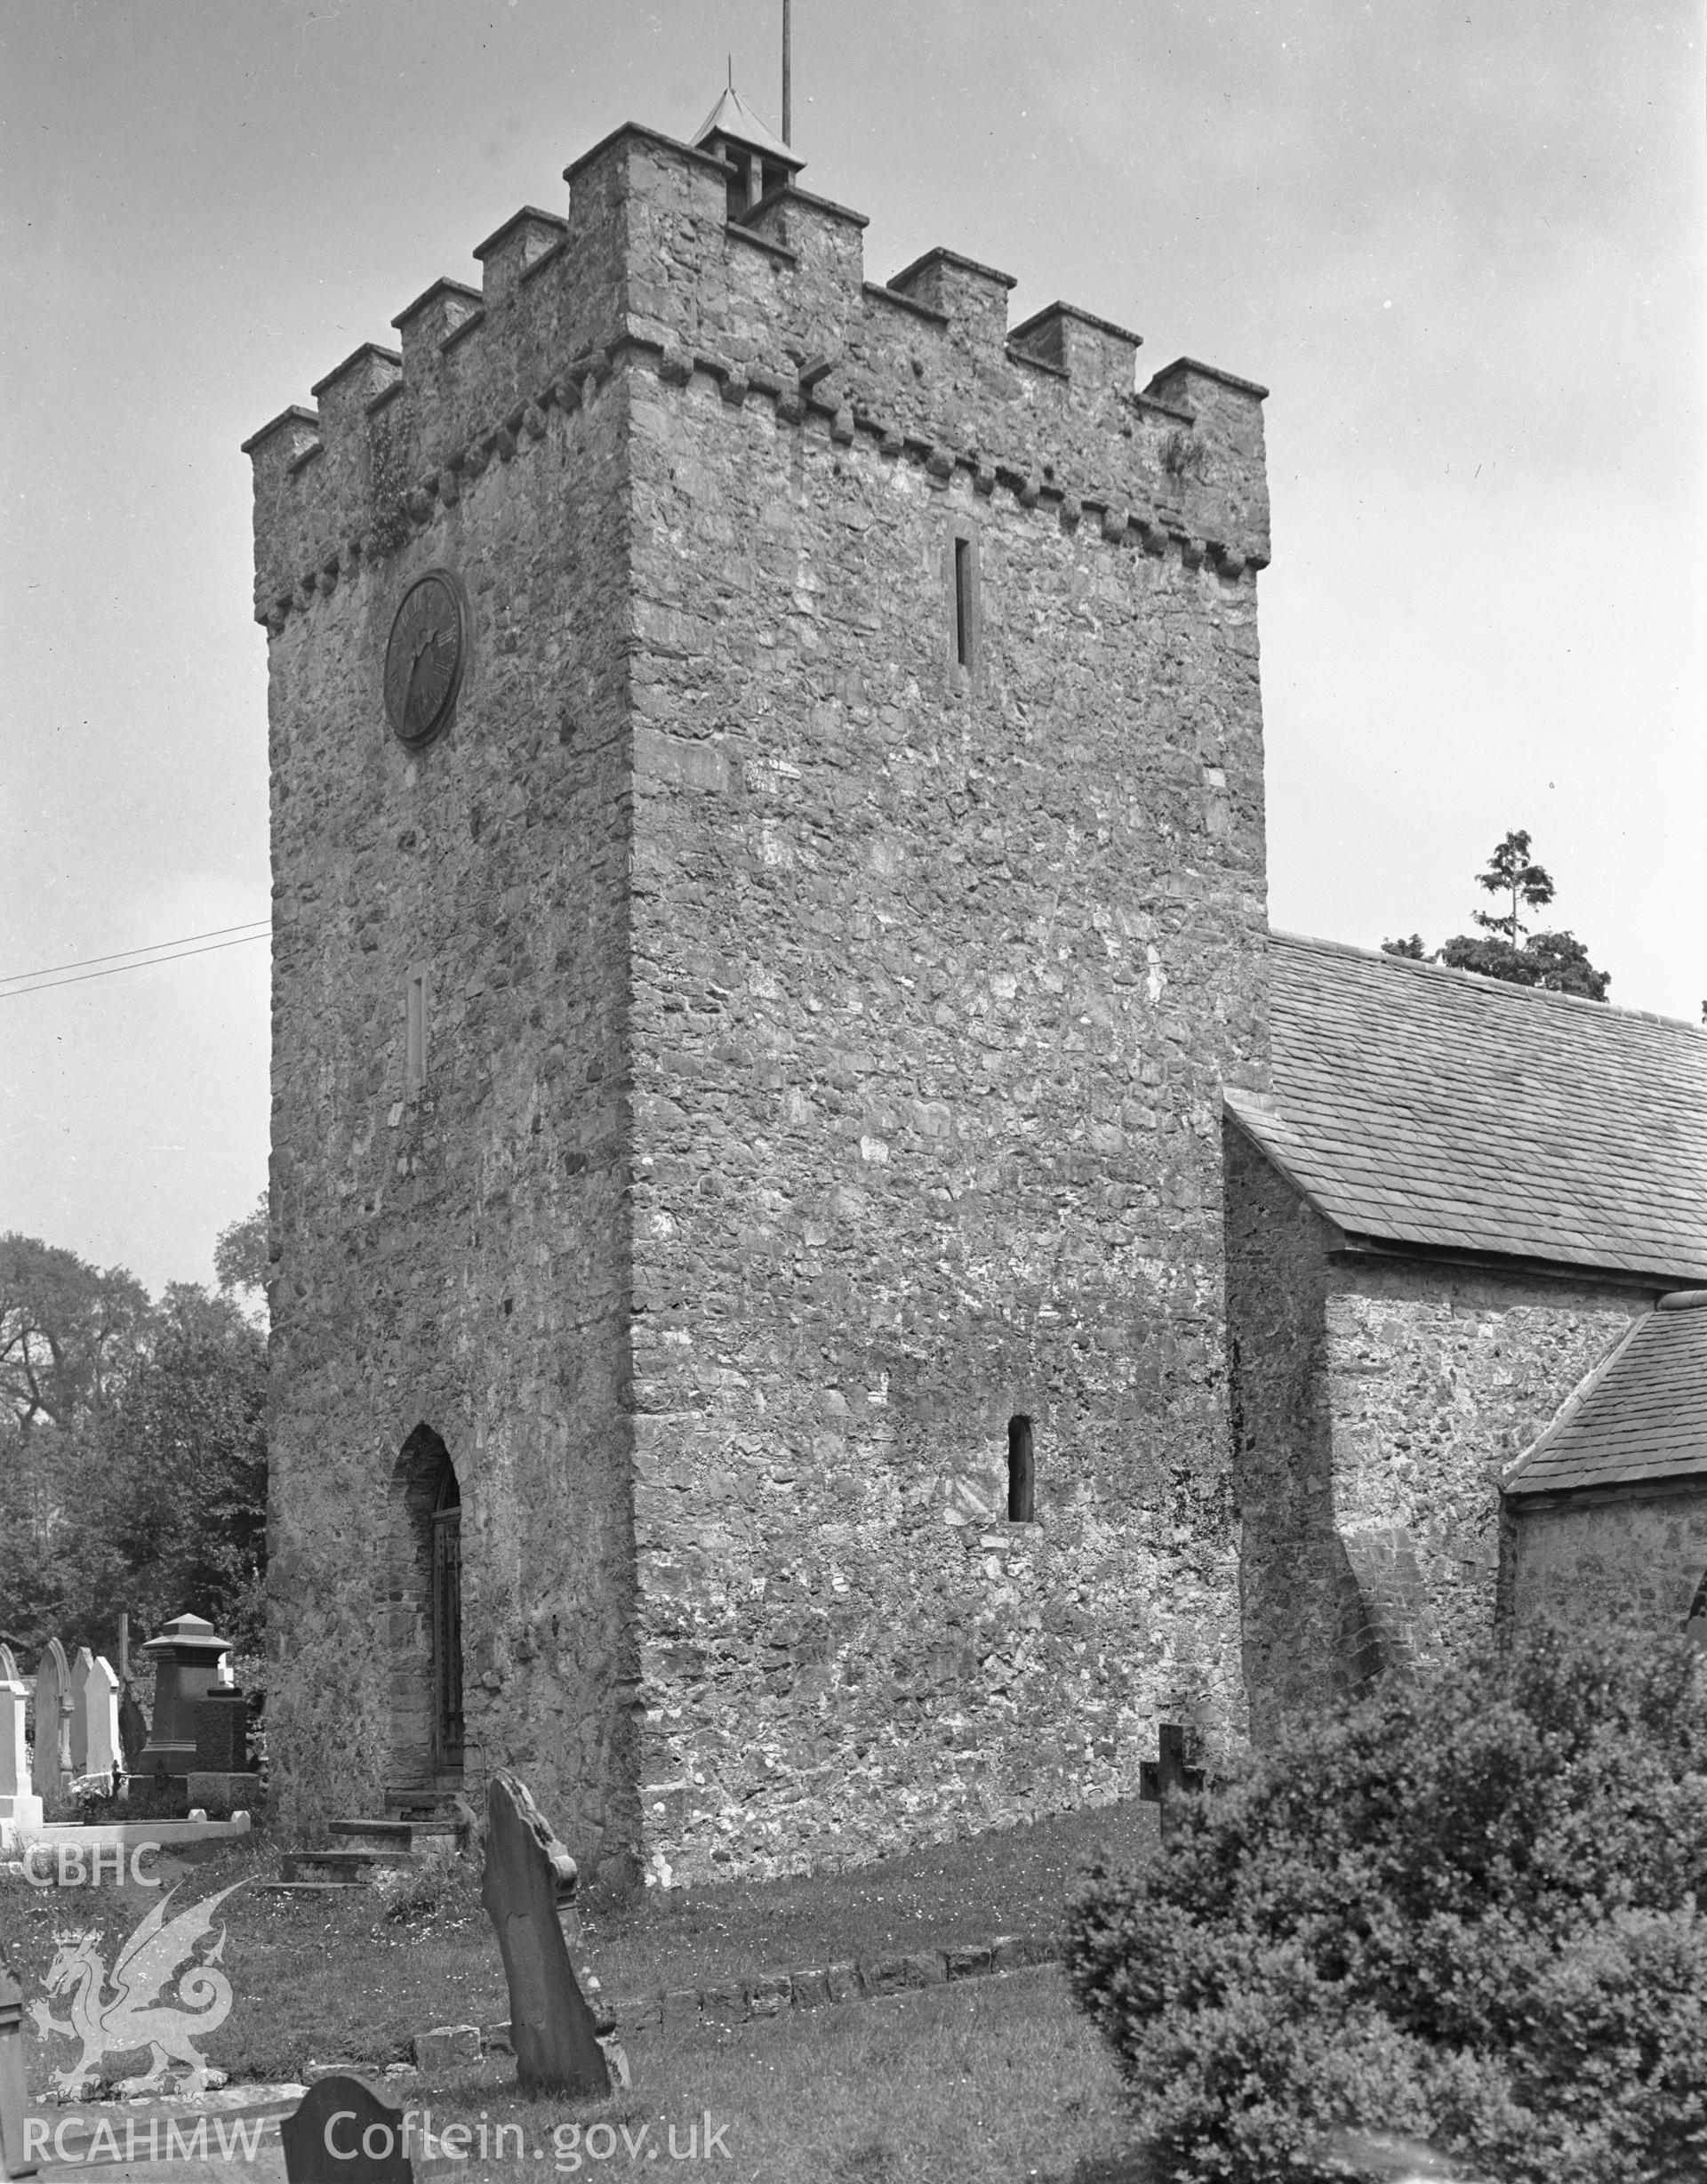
(831, 1030)
(1584, 1563)
(1377, 1402)
(934, 989)
(459, 1258)
(1291, 1588)
(1438, 1379)
(937, 973)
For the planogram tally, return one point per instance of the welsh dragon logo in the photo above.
(158, 1955)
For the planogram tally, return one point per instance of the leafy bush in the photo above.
(1465, 1911)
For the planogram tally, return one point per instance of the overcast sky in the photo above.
(1462, 244)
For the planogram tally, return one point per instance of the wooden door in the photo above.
(447, 1634)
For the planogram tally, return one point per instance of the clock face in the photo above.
(423, 661)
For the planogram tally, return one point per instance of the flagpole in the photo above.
(788, 75)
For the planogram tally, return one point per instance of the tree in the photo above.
(69, 1333)
(1558, 961)
(240, 1255)
(133, 1450)
(184, 1520)
(65, 1329)
(1510, 873)
(1505, 948)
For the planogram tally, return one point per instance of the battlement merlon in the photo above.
(1227, 440)
(648, 270)
(973, 297)
(424, 325)
(1093, 351)
(512, 252)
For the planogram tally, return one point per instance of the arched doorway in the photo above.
(423, 1597)
(1695, 1628)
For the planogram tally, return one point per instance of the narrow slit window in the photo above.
(963, 602)
(1021, 1478)
(415, 1033)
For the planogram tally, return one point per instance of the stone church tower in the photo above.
(769, 884)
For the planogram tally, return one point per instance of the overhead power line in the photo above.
(47, 985)
(80, 963)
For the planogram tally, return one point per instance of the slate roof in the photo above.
(731, 117)
(1415, 1105)
(1641, 1416)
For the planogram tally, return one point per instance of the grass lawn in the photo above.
(991, 2081)
(1012, 1881)
(344, 1977)
(985, 2078)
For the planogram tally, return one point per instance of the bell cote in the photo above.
(733, 133)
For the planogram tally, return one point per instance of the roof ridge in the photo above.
(1410, 964)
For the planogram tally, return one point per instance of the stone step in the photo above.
(357, 1864)
(305, 1888)
(424, 1800)
(401, 1835)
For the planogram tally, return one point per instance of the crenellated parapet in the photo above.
(648, 271)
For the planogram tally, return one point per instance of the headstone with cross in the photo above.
(1162, 1781)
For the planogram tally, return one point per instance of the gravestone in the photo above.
(528, 1874)
(76, 1734)
(220, 1721)
(21, 1810)
(1164, 1780)
(95, 1714)
(14, 2101)
(133, 1730)
(189, 1656)
(344, 2132)
(52, 1721)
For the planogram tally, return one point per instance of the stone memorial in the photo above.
(95, 1714)
(528, 1876)
(220, 1721)
(344, 2132)
(52, 1721)
(14, 2161)
(133, 1730)
(21, 1810)
(1164, 1779)
(189, 1664)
